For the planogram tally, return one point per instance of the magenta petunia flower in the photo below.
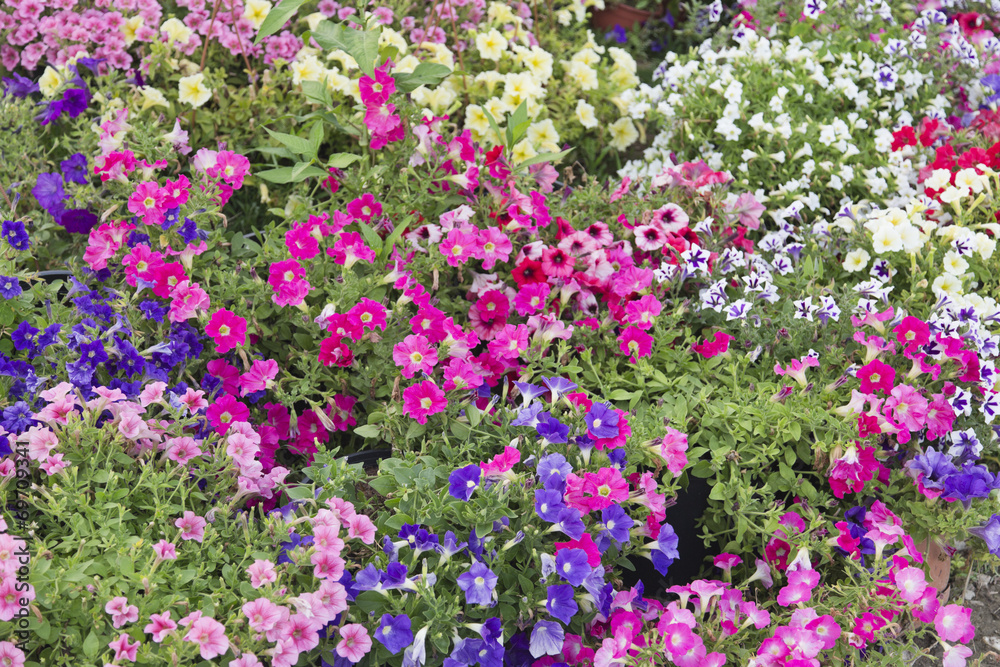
(876, 376)
(371, 314)
(365, 207)
(259, 377)
(423, 400)
(225, 411)
(227, 329)
(414, 354)
(635, 342)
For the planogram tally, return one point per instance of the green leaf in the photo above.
(315, 138)
(493, 124)
(362, 45)
(383, 485)
(302, 167)
(461, 431)
(300, 492)
(290, 175)
(545, 157)
(317, 92)
(91, 645)
(297, 145)
(371, 236)
(368, 431)
(425, 74)
(342, 160)
(276, 18)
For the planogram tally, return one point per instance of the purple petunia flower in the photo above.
(617, 523)
(74, 169)
(602, 421)
(19, 86)
(478, 584)
(529, 391)
(75, 101)
(549, 504)
(462, 482)
(572, 565)
(551, 429)
(570, 523)
(558, 386)
(77, 220)
(561, 602)
(546, 639)
(989, 532)
(49, 191)
(15, 234)
(665, 550)
(395, 633)
(9, 287)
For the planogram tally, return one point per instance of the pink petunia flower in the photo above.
(635, 342)
(121, 611)
(414, 354)
(953, 623)
(124, 650)
(354, 642)
(423, 400)
(165, 550)
(160, 626)
(371, 314)
(227, 329)
(147, 202)
(259, 377)
(263, 614)
(210, 636)
(192, 526)
(262, 572)
(458, 247)
(11, 655)
(365, 207)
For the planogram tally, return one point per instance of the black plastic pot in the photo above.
(50, 277)
(683, 517)
(369, 458)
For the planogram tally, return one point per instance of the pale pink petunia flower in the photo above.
(192, 526)
(354, 642)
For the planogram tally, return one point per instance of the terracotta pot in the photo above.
(619, 14)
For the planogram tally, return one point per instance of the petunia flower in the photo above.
(462, 482)
(478, 583)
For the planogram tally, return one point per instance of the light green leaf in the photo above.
(362, 45)
(545, 157)
(342, 160)
(425, 74)
(297, 145)
(276, 18)
(367, 431)
(371, 236)
(91, 645)
(315, 139)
